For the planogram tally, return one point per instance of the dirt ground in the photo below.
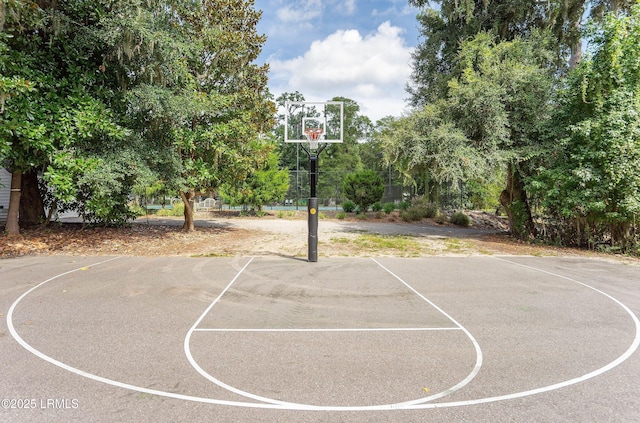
(220, 234)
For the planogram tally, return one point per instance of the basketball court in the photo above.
(275, 339)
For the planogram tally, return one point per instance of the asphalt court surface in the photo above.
(275, 339)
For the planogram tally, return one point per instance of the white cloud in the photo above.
(347, 7)
(300, 11)
(372, 70)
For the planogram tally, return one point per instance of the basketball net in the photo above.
(313, 135)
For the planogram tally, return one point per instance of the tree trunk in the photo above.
(576, 55)
(188, 200)
(52, 210)
(13, 225)
(31, 206)
(515, 202)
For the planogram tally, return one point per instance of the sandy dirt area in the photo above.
(284, 234)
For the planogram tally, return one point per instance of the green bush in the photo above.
(419, 209)
(388, 208)
(460, 219)
(377, 206)
(404, 205)
(341, 215)
(137, 210)
(412, 214)
(177, 210)
(441, 219)
(348, 206)
(364, 187)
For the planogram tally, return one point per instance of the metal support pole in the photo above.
(313, 174)
(312, 208)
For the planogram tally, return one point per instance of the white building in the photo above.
(5, 192)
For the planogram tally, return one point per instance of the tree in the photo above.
(289, 152)
(456, 21)
(502, 102)
(492, 116)
(364, 188)
(341, 158)
(593, 179)
(266, 184)
(435, 60)
(196, 96)
(51, 49)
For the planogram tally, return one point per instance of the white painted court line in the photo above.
(235, 390)
(628, 353)
(332, 330)
(615, 363)
(101, 379)
(202, 372)
(476, 346)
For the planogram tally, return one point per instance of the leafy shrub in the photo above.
(348, 206)
(404, 205)
(377, 206)
(137, 210)
(441, 219)
(176, 210)
(341, 215)
(388, 208)
(419, 209)
(460, 219)
(364, 188)
(411, 214)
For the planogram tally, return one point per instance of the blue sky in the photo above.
(360, 49)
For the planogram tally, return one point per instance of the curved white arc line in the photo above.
(204, 373)
(476, 346)
(273, 402)
(37, 353)
(628, 353)
(246, 394)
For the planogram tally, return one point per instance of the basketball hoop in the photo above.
(313, 136)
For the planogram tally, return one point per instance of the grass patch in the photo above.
(372, 242)
(455, 245)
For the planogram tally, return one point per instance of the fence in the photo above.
(330, 192)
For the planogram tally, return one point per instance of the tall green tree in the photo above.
(196, 96)
(491, 117)
(435, 60)
(593, 180)
(452, 22)
(53, 48)
(266, 184)
(342, 158)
